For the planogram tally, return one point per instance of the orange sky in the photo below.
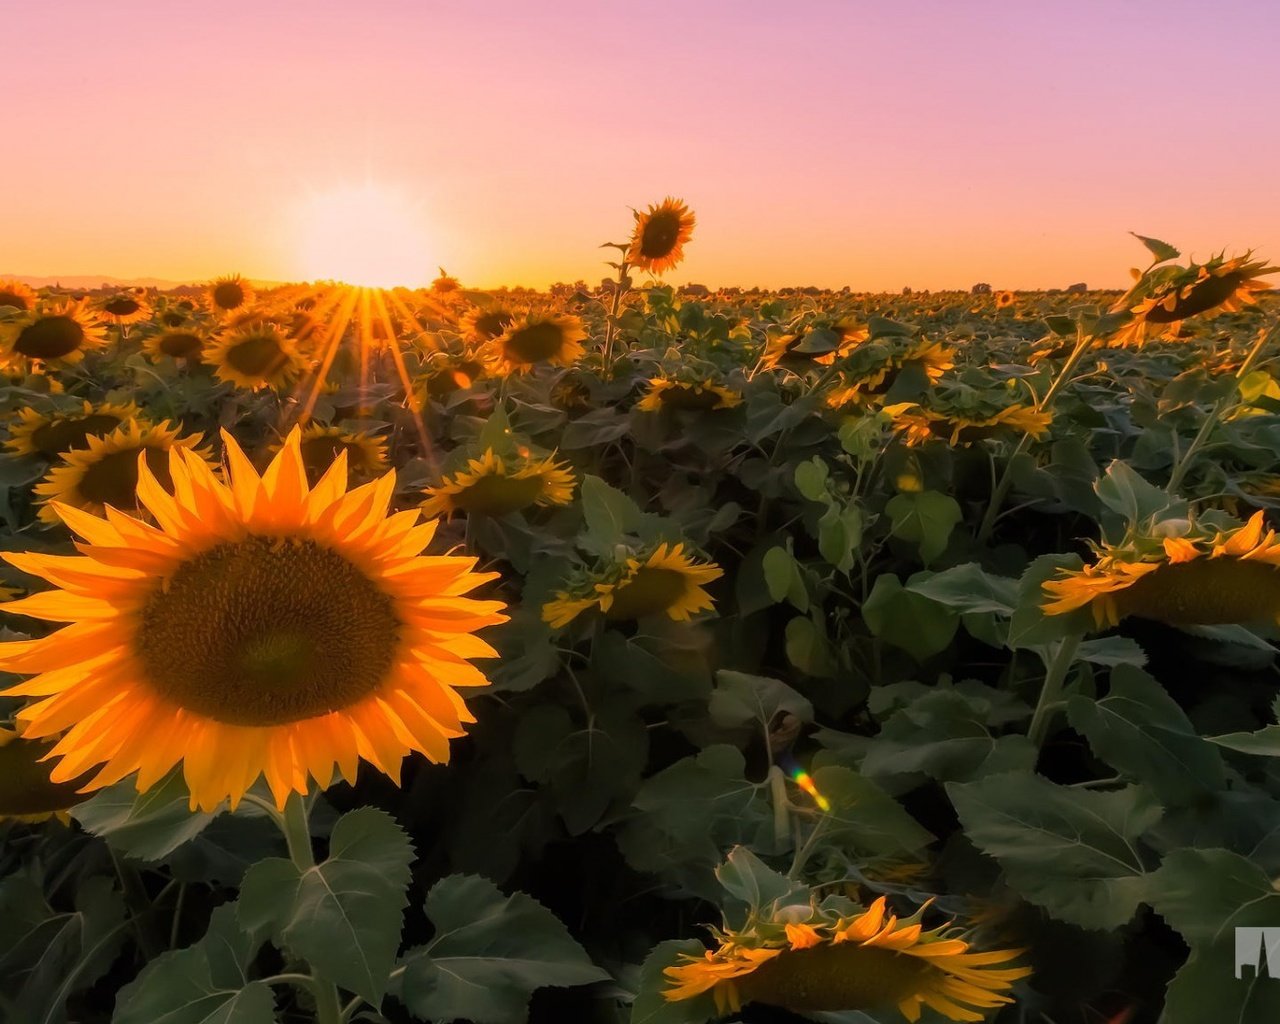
(829, 143)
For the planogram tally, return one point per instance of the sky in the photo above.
(819, 142)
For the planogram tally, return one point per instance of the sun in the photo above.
(367, 234)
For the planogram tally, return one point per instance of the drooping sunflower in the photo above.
(16, 295)
(255, 356)
(819, 343)
(447, 372)
(124, 308)
(183, 342)
(1220, 285)
(875, 368)
(26, 791)
(105, 472)
(52, 434)
(1200, 578)
(320, 444)
(231, 293)
(657, 243)
(964, 427)
(263, 627)
(666, 581)
(1005, 299)
(870, 961)
(54, 332)
(496, 486)
(538, 339)
(671, 393)
(481, 325)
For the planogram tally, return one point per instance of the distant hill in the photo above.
(91, 281)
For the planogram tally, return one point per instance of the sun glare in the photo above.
(363, 234)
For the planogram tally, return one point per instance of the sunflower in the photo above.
(261, 628)
(124, 308)
(1198, 578)
(26, 791)
(51, 434)
(447, 372)
(254, 356)
(869, 961)
(366, 454)
(1220, 286)
(16, 294)
(490, 486)
(179, 342)
(1005, 299)
(667, 581)
(678, 394)
(481, 325)
(820, 343)
(963, 428)
(105, 472)
(657, 244)
(54, 332)
(228, 294)
(554, 338)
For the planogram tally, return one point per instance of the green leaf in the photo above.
(489, 954)
(925, 518)
(1141, 731)
(968, 588)
(1029, 626)
(908, 620)
(839, 535)
(609, 513)
(651, 1006)
(747, 877)
(783, 578)
(1124, 491)
(206, 983)
(148, 826)
(807, 648)
(1264, 743)
(1074, 852)
(344, 915)
(1162, 251)
(811, 479)
(864, 817)
(739, 699)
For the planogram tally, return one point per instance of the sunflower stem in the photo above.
(611, 323)
(297, 835)
(1056, 675)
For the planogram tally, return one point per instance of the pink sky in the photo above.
(863, 143)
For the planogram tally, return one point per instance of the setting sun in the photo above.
(363, 234)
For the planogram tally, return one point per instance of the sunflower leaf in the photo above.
(148, 826)
(651, 1006)
(489, 954)
(1162, 251)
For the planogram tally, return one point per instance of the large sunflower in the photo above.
(1219, 286)
(254, 356)
(667, 581)
(124, 308)
(819, 343)
(15, 294)
(105, 472)
(26, 791)
(494, 486)
(870, 961)
(964, 427)
(680, 394)
(554, 339)
(185, 342)
(231, 293)
(481, 325)
(52, 434)
(1199, 578)
(261, 628)
(320, 445)
(657, 244)
(57, 332)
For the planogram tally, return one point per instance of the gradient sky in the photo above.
(872, 144)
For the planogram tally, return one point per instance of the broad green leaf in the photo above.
(148, 826)
(740, 698)
(1141, 731)
(839, 535)
(811, 479)
(1112, 651)
(783, 577)
(864, 818)
(968, 588)
(344, 915)
(1075, 852)
(751, 880)
(206, 983)
(609, 513)
(807, 648)
(489, 954)
(1123, 490)
(1162, 251)
(651, 1006)
(908, 620)
(1029, 627)
(925, 518)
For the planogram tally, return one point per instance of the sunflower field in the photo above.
(641, 655)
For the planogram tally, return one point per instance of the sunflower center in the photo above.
(648, 592)
(112, 479)
(1205, 592)
(179, 344)
(1203, 297)
(843, 976)
(228, 295)
(536, 342)
(498, 495)
(258, 355)
(122, 305)
(8, 298)
(490, 325)
(660, 235)
(267, 631)
(50, 337)
(52, 439)
(24, 782)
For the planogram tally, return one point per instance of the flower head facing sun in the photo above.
(230, 294)
(257, 355)
(105, 472)
(1005, 299)
(496, 486)
(56, 333)
(538, 339)
(262, 627)
(124, 308)
(867, 961)
(26, 791)
(52, 434)
(16, 295)
(184, 343)
(1200, 577)
(481, 325)
(657, 243)
(666, 581)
